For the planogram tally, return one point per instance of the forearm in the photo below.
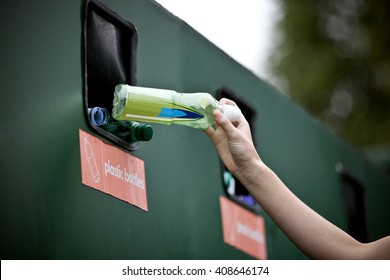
(315, 236)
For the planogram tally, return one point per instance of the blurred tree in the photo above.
(334, 59)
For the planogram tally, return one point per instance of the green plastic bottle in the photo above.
(129, 131)
(168, 107)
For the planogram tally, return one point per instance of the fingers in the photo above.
(227, 101)
(222, 121)
(210, 132)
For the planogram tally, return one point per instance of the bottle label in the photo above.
(179, 114)
(156, 109)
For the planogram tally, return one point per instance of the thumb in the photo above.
(222, 121)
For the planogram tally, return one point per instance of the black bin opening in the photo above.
(354, 201)
(233, 187)
(109, 49)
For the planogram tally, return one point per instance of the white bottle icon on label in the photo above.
(91, 160)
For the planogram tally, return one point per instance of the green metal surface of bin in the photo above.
(46, 213)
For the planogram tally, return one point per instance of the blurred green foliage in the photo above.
(334, 59)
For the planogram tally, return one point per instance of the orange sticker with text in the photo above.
(243, 229)
(112, 171)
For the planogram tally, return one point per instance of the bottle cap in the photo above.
(98, 116)
(231, 112)
(144, 132)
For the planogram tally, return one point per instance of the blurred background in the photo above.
(331, 57)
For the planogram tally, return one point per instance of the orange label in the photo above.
(243, 229)
(112, 171)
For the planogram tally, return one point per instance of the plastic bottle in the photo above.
(168, 107)
(131, 132)
(128, 131)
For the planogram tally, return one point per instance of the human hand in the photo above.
(233, 141)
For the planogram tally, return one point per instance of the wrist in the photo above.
(252, 172)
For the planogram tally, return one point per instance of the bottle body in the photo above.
(164, 106)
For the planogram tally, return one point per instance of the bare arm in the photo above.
(314, 235)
